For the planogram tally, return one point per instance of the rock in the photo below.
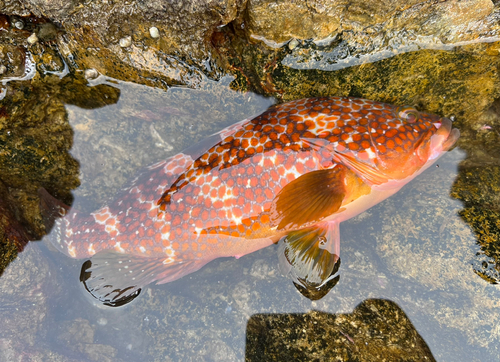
(376, 330)
(54, 9)
(278, 22)
(14, 235)
(81, 331)
(97, 34)
(479, 189)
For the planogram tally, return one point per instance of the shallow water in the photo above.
(412, 249)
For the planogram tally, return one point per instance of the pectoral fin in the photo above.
(310, 257)
(368, 173)
(367, 170)
(309, 199)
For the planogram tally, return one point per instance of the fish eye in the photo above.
(408, 114)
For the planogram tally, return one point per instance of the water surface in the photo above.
(412, 249)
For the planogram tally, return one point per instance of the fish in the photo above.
(290, 175)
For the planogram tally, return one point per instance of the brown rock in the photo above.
(377, 330)
(278, 22)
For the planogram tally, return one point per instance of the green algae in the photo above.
(8, 250)
(463, 83)
(479, 190)
(376, 330)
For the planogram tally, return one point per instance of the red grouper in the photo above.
(293, 173)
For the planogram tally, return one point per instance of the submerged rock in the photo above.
(376, 330)
(479, 190)
(13, 234)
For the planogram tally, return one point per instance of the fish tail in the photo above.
(116, 278)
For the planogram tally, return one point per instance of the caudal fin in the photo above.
(116, 279)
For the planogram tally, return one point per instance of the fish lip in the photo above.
(444, 138)
(450, 134)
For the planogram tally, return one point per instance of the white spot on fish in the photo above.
(72, 251)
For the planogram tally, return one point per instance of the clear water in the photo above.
(413, 249)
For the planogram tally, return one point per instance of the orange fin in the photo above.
(116, 279)
(310, 257)
(367, 170)
(368, 173)
(309, 199)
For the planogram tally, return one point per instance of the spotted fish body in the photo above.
(303, 164)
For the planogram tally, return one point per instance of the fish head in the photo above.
(413, 141)
(397, 144)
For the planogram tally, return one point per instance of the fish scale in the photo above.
(236, 195)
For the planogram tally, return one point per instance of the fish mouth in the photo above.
(444, 138)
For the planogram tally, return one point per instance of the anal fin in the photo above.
(310, 257)
(115, 279)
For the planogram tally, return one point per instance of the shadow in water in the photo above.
(377, 330)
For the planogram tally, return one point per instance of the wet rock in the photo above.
(35, 137)
(13, 233)
(422, 79)
(278, 22)
(116, 40)
(13, 60)
(479, 190)
(482, 131)
(55, 9)
(376, 330)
